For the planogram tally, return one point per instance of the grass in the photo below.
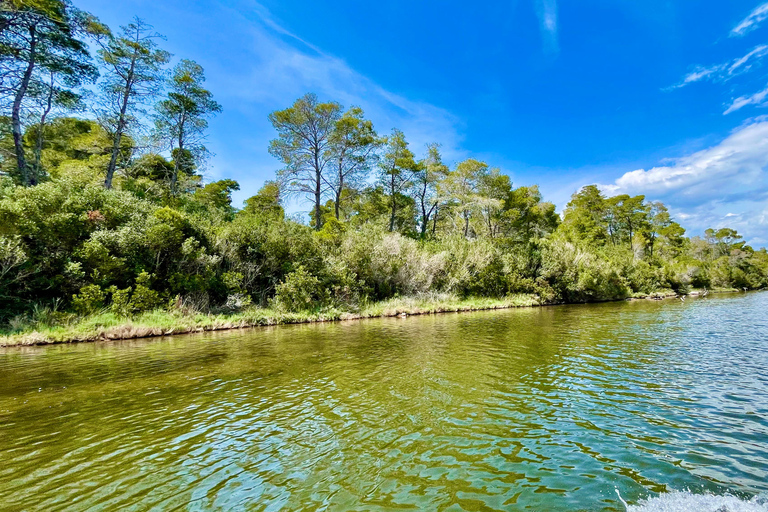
(50, 327)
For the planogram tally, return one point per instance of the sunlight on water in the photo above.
(535, 409)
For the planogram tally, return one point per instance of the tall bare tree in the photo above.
(134, 76)
(304, 145)
(353, 150)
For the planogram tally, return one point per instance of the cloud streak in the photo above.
(267, 67)
(756, 99)
(546, 10)
(726, 71)
(751, 22)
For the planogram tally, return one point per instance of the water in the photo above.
(543, 409)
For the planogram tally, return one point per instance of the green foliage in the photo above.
(90, 299)
(301, 291)
(70, 246)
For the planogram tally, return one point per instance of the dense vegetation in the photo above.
(103, 206)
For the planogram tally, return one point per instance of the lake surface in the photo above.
(551, 408)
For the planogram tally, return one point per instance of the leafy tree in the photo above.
(396, 170)
(585, 215)
(50, 96)
(71, 146)
(182, 117)
(529, 216)
(133, 64)
(662, 228)
(267, 201)
(629, 216)
(462, 187)
(495, 189)
(304, 145)
(724, 240)
(43, 36)
(353, 143)
(218, 194)
(428, 174)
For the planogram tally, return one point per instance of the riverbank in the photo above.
(109, 326)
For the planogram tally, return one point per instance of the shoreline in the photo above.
(108, 327)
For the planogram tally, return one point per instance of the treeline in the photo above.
(103, 206)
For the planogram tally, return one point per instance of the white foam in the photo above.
(687, 502)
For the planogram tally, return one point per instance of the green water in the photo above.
(543, 409)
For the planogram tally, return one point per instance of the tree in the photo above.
(182, 117)
(41, 37)
(304, 146)
(494, 190)
(629, 216)
(529, 216)
(585, 217)
(429, 173)
(462, 185)
(353, 143)
(396, 170)
(267, 201)
(134, 75)
(217, 194)
(662, 227)
(724, 240)
(50, 96)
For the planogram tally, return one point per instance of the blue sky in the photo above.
(659, 97)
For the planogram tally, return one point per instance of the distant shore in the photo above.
(108, 326)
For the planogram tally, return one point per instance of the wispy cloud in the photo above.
(547, 13)
(755, 99)
(752, 21)
(267, 67)
(726, 71)
(725, 184)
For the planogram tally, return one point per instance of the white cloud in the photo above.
(757, 52)
(742, 156)
(756, 99)
(547, 13)
(726, 71)
(724, 185)
(752, 21)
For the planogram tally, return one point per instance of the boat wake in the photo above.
(687, 502)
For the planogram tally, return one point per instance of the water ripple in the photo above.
(541, 409)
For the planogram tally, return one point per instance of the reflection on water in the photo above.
(544, 409)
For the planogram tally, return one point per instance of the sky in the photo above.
(662, 98)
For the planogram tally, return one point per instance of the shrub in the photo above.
(301, 291)
(90, 299)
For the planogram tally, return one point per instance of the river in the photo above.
(553, 408)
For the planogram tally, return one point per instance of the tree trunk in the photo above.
(175, 176)
(339, 190)
(40, 135)
(121, 122)
(318, 178)
(18, 137)
(393, 215)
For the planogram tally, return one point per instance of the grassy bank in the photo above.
(51, 329)
(108, 326)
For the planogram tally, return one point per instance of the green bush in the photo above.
(90, 299)
(301, 291)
